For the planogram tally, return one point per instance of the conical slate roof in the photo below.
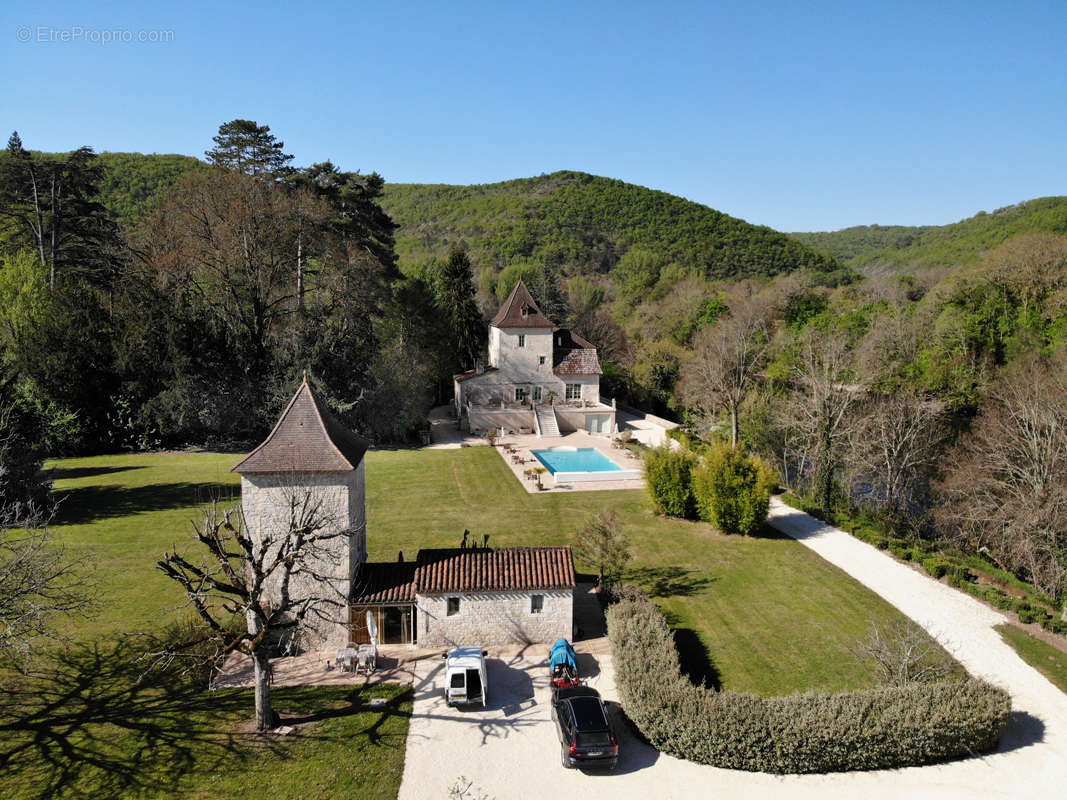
(307, 438)
(520, 311)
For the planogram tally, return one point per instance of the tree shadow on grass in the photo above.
(669, 581)
(89, 503)
(354, 701)
(68, 473)
(95, 725)
(88, 725)
(765, 531)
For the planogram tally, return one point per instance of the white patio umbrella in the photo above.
(372, 628)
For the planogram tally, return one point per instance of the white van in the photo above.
(465, 680)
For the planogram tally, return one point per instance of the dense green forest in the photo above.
(580, 219)
(132, 181)
(901, 248)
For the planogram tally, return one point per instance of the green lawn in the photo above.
(1045, 658)
(89, 729)
(772, 616)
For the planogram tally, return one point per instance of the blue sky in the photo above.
(801, 116)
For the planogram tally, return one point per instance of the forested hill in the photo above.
(132, 180)
(581, 219)
(901, 247)
(566, 217)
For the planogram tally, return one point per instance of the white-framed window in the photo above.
(520, 394)
(522, 340)
(453, 607)
(537, 394)
(537, 603)
(541, 360)
(574, 391)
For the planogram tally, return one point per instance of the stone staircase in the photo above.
(547, 424)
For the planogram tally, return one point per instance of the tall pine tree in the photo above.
(457, 302)
(244, 146)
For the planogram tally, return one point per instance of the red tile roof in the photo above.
(573, 355)
(384, 583)
(520, 311)
(307, 438)
(575, 362)
(494, 570)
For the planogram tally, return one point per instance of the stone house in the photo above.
(466, 595)
(540, 378)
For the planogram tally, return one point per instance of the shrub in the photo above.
(688, 440)
(960, 574)
(732, 490)
(872, 729)
(903, 553)
(1055, 625)
(669, 477)
(937, 567)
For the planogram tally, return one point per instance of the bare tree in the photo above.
(38, 580)
(894, 444)
(817, 414)
(600, 543)
(727, 358)
(277, 580)
(1007, 489)
(904, 653)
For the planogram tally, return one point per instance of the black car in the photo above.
(583, 728)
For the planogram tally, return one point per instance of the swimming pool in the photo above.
(572, 459)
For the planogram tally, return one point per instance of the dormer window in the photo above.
(525, 311)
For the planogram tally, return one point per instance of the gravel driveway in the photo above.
(510, 749)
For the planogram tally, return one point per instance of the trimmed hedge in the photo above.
(870, 729)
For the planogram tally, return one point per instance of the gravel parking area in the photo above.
(510, 749)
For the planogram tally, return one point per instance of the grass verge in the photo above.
(1045, 658)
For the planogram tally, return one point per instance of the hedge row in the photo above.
(870, 729)
(1027, 611)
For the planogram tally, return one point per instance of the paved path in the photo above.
(510, 750)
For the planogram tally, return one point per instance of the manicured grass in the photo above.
(774, 617)
(89, 728)
(1047, 660)
(122, 512)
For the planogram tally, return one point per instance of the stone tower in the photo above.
(310, 454)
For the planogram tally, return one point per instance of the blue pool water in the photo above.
(585, 459)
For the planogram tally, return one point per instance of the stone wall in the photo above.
(493, 618)
(339, 500)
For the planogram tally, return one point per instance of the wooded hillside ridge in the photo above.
(902, 247)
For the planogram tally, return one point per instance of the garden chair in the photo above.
(366, 659)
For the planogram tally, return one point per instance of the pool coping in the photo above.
(525, 444)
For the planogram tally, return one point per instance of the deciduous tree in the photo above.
(727, 358)
(1006, 489)
(816, 415)
(240, 574)
(894, 445)
(600, 543)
